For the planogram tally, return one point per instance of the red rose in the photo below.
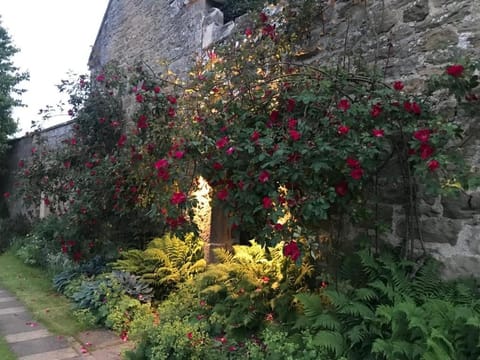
(156, 89)
(122, 140)
(264, 176)
(356, 173)
(139, 98)
(425, 151)
(162, 163)
(343, 104)
(422, 135)
(343, 129)
(341, 188)
(353, 163)
(255, 136)
(142, 122)
(295, 135)
(248, 32)
(221, 143)
(291, 250)
(178, 198)
(378, 132)
(433, 165)
(172, 99)
(455, 70)
(398, 85)
(222, 194)
(376, 110)
(267, 202)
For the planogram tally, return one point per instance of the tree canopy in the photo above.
(10, 77)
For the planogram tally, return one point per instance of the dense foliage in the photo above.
(291, 152)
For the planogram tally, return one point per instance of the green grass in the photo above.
(33, 288)
(5, 352)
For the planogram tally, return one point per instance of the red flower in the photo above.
(190, 335)
(122, 140)
(102, 120)
(178, 154)
(139, 98)
(274, 116)
(278, 227)
(73, 141)
(353, 163)
(163, 174)
(172, 99)
(156, 89)
(267, 202)
(343, 129)
(265, 279)
(171, 112)
(221, 143)
(217, 166)
(422, 135)
(291, 105)
(100, 78)
(341, 188)
(67, 164)
(89, 164)
(255, 136)
(263, 17)
(162, 163)
(294, 135)
(356, 173)
(6, 195)
(412, 107)
(291, 250)
(46, 201)
(292, 123)
(433, 165)
(21, 164)
(425, 151)
(376, 110)
(343, 104)
(378, 132)
(248, 32)
(264, 176)
(142, 122)
(230, 150)
(222, 194)
(398, 85)
(455, 70)
(178, 198)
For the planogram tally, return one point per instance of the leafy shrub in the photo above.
(396, 309)
(12, 228)
(167, 262)
(133, 286)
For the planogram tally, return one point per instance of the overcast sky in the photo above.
(54, 37)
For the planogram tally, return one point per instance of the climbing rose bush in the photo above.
(285, 146)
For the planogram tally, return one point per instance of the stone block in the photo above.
(440, 38)
(417, 12)
(441, 230)
(458, 206)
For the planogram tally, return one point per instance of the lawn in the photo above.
(5, 353)
(34, 288)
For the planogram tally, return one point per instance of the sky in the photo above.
(54, 37)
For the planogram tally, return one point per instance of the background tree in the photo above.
(10, 77)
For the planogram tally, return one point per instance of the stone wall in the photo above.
(410, 40)
(157, 32)
(21, 149)
(404, 39)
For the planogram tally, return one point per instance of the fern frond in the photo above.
(332, 341)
